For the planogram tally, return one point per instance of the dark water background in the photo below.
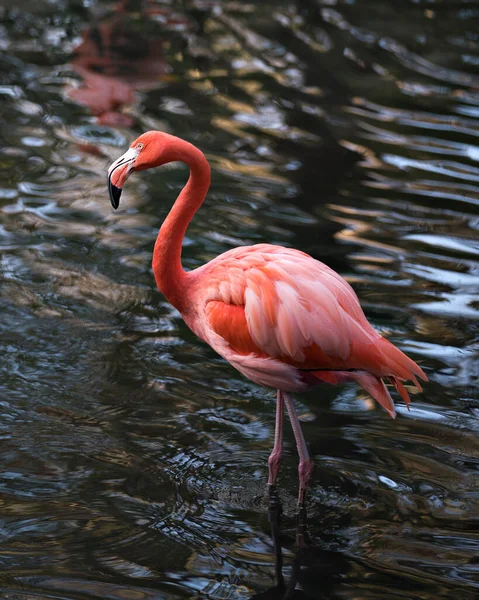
(133, 460)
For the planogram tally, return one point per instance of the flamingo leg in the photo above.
(275, 509)
(276, 456)
(305, 469)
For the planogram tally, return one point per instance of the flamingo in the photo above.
(281, 318)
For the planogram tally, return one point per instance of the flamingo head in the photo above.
(151, 149)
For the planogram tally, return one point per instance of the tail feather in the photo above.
(402, 390)
(400, 365)
(375, 386)
(392, 364)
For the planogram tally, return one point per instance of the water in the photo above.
(133, 459)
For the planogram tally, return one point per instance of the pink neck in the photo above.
(169, 274)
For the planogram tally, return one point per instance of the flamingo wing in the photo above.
(282, 304)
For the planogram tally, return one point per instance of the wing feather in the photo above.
(292, 304)
(281, 303)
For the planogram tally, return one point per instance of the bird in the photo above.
(283, 319)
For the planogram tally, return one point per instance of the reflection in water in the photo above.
(117, 56)
(132, 459)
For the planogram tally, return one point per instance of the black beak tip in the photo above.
(115, 193)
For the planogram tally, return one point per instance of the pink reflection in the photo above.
(118, 56)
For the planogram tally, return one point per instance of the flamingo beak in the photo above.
(118, 173)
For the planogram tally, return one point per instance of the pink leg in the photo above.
(275, 509)
(276, 456)
(305, 463)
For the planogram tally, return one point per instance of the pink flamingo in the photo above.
(283, 319)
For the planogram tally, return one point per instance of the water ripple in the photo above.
(134, 460)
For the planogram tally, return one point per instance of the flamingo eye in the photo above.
(140, 146)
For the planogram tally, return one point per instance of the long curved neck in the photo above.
(169, 274)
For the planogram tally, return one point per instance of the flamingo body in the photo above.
(289, 322)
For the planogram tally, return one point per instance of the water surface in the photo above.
(133, 459)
